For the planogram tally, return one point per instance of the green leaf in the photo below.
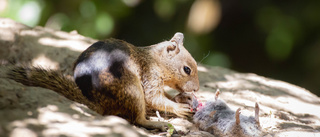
(170, 129)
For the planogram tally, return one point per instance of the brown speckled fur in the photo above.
(117, 78)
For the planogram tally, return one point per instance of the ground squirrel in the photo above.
(218, 119)
(117, 78)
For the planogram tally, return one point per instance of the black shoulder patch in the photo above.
(117, 69)
(84, 83)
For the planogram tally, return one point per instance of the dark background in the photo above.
(272, 38)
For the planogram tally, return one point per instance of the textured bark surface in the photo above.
(286, 109)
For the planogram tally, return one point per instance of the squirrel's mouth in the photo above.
(178, 88)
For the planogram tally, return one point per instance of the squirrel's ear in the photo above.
(176, 43)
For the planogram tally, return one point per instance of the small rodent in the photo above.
(218, 119)
(187, 99)
(114, 77)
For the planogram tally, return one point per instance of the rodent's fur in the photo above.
(218, 119)
(114, 77)
(186, 98)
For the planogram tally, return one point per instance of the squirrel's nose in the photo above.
(196, 89)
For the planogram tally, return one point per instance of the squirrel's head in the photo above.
(180, 69)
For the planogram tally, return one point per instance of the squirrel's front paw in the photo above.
(182, 110)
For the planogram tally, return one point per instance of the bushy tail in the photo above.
(50, 79)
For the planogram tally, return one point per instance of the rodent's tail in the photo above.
(50, 79)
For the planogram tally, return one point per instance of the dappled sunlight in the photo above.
(125, 131)
(73, 35)
(23, 132)
(248, 98)
(24, 123)
(6, 36)
(109, 121)
(57, 123)
(243, 102)
(295, 133)
(74, 45)
(283, 103)
(270, 48)
(45, 62)
(202, 69)
(41, 46)
(231, 85)
(74, 128)
(271, 108)
(30, 33)
(247, 86)
(77, 107)
(49, 114)
(238, 82)
(293, 90)
(279, 101)
(299, 107)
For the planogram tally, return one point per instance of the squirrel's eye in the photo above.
(187, 70)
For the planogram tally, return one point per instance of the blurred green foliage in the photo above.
(279, 39)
